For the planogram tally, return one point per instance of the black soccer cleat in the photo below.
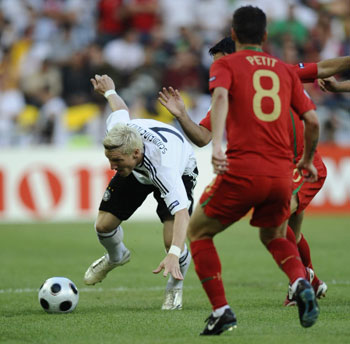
(217, 325)
(307, 304)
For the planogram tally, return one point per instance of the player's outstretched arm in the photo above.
(170, 263)
(330, 67)
(332, 85)
(218, 119)
(104, 85)
(311, 134)
(172, 100)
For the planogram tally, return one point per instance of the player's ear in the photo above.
(233, 35)
(136, 154)
(264, 37)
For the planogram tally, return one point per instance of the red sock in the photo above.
(305, 255)
(208, 267)
(304, 251)
(287, 257)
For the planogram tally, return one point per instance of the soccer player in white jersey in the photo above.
(149, 157)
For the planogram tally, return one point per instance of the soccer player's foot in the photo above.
(173, 299)
(290, 300)
(320, 289)
(217, 325)
(306, 301)
(99, 269)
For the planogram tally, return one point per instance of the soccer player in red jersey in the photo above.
(254, 91)
(303, 192)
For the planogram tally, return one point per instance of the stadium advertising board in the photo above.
(67, 184)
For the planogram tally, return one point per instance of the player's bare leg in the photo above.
(201, 231)
(287, 257)
(174, 287)
(110, 234)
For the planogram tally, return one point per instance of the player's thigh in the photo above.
(272, 203)
(123, 196)
(227, 198)
(294, 202)
(305, 191)
(201, 226)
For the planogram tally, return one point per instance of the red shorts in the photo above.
(228, 198)
(306, 191)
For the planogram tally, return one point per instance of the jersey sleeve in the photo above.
(220, 75)
(176, 197)
(307, 72)
(205, 122)
(300, 101)
(119, 116)
(169, 182)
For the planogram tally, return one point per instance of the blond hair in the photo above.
(124, 138)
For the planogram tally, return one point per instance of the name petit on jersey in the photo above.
(261, 60)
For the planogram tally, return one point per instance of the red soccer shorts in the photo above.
(307, 191)
(228, 198)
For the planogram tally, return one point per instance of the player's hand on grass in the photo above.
(102, 83)
(307, 170)
(170, 264)
(172, 100)
(219, 160)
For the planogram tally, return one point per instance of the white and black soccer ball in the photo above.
(58, 295)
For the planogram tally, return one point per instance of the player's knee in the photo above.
(103, 227)
(196, 233)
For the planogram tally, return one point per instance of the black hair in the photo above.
(249, 24)
(226, 45)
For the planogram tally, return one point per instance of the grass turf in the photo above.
(125, 307)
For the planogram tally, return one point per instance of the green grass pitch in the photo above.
(125, 307)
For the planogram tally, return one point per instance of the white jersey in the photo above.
(167, 157)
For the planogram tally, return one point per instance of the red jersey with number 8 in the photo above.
(261, 91)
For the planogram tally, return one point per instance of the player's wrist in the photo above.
(109, 93)
(175, 250)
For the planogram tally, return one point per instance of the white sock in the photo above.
(184, 261)
(113, 243)
(218, 312)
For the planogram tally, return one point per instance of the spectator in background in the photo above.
(184, 72)
(48, 77)
(76, 83)
(142, 15)
(125, 53)
(63, 45)
(289, 29)
(177, 14)
(50, 128)
(110, 20)
(212, 18)
(327, 35)
(11, 104)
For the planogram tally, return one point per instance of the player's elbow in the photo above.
(311, 120)
(202, 141)
(204, 138)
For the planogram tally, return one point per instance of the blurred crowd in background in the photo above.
(49, 50)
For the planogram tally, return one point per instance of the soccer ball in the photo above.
(58, 295)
